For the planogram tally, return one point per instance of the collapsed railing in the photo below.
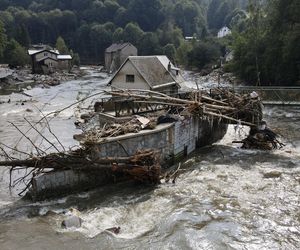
(218, 103)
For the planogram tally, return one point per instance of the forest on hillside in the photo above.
(265, 34)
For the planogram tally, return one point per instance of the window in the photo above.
(129, 78)
(45, 54)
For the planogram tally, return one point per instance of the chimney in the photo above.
(169, 66)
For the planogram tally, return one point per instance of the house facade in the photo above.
(224, 32)
(116, 54)
(155, 73)
(46, 61)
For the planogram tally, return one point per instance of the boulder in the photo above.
(272, 174)
(71, 221)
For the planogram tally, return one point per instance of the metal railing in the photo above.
(276, 95)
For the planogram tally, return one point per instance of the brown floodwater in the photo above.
(220, 201)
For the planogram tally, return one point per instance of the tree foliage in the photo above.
(61, 46)
(87, 27)
(15, 55)
(268, 52)
(2, 39)
(204, 53)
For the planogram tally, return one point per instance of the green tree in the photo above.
(118, 35)
(268, 52)
(101, 38)
(15, 55)
(188, 16)
(22, 36)
(146, 13)
(75, 58)
(204, 53)
(122, 17)
(2, 39)
(170, 34)
(132, 33)
(61, 46)
(182, 53)
(149, 44)
(170, 51)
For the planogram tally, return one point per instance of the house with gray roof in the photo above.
(45, 60)
(155, 73)
(116, 54)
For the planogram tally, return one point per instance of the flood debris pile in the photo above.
(143, 166)
(155, 108)
(98, 134)
(261, 137)
(218, 103)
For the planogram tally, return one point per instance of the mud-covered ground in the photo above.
(20, 79)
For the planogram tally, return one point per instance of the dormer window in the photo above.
(45, 54)
(129, 78)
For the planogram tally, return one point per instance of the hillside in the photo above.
(265, 37)
(89, 26)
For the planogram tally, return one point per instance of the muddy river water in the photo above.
(221, 201)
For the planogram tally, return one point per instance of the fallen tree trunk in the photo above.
(143, 166)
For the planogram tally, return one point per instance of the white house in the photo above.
(147, 72)
(224, 32)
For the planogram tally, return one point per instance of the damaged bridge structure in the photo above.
(136, 135)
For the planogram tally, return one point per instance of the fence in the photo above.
(279, 95)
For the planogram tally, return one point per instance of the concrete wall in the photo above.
(173, 141)
(129, 50)
(119, 57)
(163, 141)
(108, 59)
(186, 132)
(54, 184)
(64, 65)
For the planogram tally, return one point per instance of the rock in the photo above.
(115, 230)
(71, 221)
(272, 174)
(86, 116)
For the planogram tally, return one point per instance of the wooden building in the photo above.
(45, 60)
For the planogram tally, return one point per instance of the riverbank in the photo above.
(216, 78)
(16, 80)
